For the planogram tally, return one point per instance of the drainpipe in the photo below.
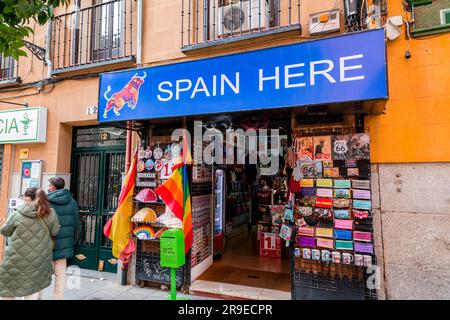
(139, 32)
(47, 50)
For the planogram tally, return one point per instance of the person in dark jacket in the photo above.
(67, 210)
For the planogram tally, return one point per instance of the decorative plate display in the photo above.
(158, 153)
(168, 153)
(140, 166)
(148, 153)
(141, 153)
(149, 165)
(160, 232)
(144, 233)
(159, 165)
(147, 195)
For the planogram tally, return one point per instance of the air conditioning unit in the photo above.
(324, 22)
(242, 16)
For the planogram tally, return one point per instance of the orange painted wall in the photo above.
(416, 126)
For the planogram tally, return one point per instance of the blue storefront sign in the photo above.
(345, 68)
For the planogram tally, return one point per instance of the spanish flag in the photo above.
(118, 229)
(176, 195)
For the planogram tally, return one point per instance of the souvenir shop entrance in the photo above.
(317, 197)
(302, 230)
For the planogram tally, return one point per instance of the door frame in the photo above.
(96, 251)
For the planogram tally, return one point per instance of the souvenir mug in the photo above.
(359, 260)
(347, 258)
(315, 254)
(306, 253)
(336, 257)
(326, 255)
(367, 260)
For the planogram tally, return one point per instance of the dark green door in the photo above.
(97, 170)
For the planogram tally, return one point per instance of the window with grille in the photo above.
(8, 68)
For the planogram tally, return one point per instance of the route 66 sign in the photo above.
(340, 147)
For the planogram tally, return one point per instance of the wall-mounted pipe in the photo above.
(48, 44)
(139, 32)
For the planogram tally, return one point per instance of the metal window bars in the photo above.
(217, 21)
(8, 68)
(98, 34)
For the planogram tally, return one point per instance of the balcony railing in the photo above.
(8, 70)
(207, 22)
(94, 36)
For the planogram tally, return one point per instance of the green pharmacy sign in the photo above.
(28, 125)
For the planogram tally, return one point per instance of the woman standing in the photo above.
(27, 263)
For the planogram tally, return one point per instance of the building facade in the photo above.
(410, 155)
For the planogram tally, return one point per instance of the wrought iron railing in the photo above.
(100, 34)
(215, 21)
(8, 68)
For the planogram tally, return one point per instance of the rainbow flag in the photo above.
(176, 195)
(119, 228)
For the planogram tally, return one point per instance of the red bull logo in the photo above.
(127, 96)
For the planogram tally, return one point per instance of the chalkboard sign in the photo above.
(149, 269)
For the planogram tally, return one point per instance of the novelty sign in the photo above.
(350, 67)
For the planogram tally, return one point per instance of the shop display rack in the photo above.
(148, 268)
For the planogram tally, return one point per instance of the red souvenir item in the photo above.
(269, 245)
(360, 214)
(294, 186)
(324, 203)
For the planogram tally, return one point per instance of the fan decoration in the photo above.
(160, 232)
(144, 233)
(145, 215)
(147, 196)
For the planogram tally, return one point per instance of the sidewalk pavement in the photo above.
(94, 285)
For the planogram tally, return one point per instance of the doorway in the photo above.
(247, 196)
(98, 162)
(241, 262)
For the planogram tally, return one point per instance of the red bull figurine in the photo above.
(128, 95)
